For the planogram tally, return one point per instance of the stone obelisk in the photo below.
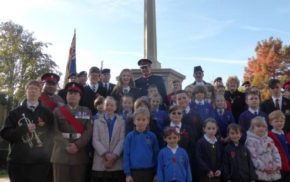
(150, 48)
(150, 43)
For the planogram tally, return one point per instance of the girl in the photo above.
(99, 106)
(125, 86)
(264, 154)
(173, 162)
(209, 153)
(108, 141)
(199, 105)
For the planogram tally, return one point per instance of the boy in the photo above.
(237, 163)
(29, 131)
(140, 150)
(222, 116)
(157, 114)
(281, 140)
(253, 101)
(277, 102)
(153, 90)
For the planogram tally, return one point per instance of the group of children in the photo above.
(198, 137)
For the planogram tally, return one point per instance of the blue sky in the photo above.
(219, 35)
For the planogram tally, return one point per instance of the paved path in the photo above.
(4, 180)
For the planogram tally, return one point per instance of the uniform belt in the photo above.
(71, 136)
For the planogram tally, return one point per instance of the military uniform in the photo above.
(51, 101)
(29, 154)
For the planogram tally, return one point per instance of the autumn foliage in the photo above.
(272, 61)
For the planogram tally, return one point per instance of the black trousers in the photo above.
(108, 176)
(142, 175)
(29, 172)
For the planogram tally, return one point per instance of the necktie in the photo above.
(125, 115)
(125, 91)
(277, 106)
(94, 88)
(32, 108)
(109, 122)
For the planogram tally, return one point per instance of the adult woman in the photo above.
(235, 97)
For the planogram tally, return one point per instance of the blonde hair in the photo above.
(256, 121)
(233, 78)
(276, 115)
(142, 111)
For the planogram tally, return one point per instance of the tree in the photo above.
(272, 61)
(21, 59)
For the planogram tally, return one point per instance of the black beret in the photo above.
(106, 70)
(197, 68)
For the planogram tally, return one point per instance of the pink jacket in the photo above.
(102, 145)
(264, 155)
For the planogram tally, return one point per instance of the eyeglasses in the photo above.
(176, 113)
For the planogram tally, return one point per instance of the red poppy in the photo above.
(233, 154)
(284, 103)
(97, 95)
(269, 145)
(184, 133)
(173, 159)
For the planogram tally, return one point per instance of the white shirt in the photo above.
(126, 88)
(173, 150)
(199, 102)
(277, 132)
(187, 110)
(96, 87)
(253, 111)
(178, 126)
(220, 111)
(28, 104)
(210, 140)
(199, 83)
(280, 101)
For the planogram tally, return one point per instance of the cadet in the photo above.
(29, 129)
(48, 97)
(72, 133)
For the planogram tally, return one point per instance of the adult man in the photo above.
(198, 76)
(83, 77)
(48, 97)
(29, 131)
(107, 87)
(72, 132)
(277, 102)
(93, 90)
(71, 78)
(148, 79)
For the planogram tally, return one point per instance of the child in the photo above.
(199, 105)
(282, 142)
(186, 139)
(253, 101)
(108, 141)
(157, 114)
(264, 154)
(220, 90)
(209, 153)
(237, 162)
(223, 116)
(127, 107)
(153, 90)
(140, 150)
(99, 106)
(173, 162)
(210, 95)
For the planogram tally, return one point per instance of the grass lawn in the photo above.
(3, 173)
